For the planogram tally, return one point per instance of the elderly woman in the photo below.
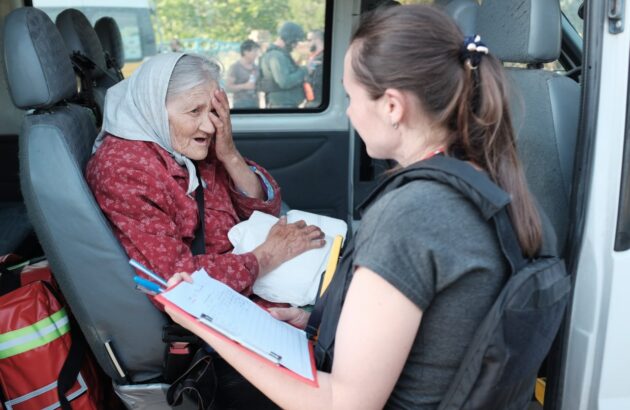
(165, 152)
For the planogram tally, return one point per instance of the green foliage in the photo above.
(232, 20)
(309, 14)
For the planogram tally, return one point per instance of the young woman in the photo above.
(427, 266)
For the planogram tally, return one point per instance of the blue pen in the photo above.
(146, 270)
(147, 284)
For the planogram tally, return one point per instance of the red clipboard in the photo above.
(203, 328)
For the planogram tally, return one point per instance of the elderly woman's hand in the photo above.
(292, 315)
(285, 241)
(224, 143)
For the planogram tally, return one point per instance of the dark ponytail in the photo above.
(419, 49)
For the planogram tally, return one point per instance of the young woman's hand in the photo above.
(286, 241)
(178, 277)
(292, 315)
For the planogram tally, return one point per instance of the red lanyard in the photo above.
(438, 151)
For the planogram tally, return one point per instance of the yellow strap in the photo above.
(332, 263)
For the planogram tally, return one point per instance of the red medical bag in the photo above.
(36, 341)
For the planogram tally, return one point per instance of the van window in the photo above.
(261, 70)
(570, 10)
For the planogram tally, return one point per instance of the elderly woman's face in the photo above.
(189, 121)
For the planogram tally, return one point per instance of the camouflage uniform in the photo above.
(282, 79)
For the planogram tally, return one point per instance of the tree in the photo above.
(310, 14)
(225, 20)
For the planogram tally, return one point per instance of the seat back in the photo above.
(545, 105)
(88, 262)
(111, 40)
(87, 55)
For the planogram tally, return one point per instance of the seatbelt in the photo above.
(198, 245)
(82, 66)
(179, 340)
(113, 64)
(86, 63)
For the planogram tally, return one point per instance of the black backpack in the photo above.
(500, 365)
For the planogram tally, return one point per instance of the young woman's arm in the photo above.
(376, 330)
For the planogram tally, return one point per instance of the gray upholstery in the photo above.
(109, 34)
(521, 31)
(544, 105)
(79, 35)
(35, 83)
(86, 259)
(10, 115)
(464, 12)
(545, 109)
(14, 225)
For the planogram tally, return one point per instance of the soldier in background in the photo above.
(282, 80)
(315, 66)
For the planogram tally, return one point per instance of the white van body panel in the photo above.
(598, 354)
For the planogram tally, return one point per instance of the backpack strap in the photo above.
(74, 360)
(71, 366)
(488, 197)
(490, 200)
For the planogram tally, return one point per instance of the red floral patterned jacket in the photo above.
(142, 191)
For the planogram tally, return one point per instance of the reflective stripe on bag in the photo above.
(36, 335)
(47, 389)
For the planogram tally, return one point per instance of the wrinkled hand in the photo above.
(224, 145)
(178, 277)
(286, 241)
(292, 315)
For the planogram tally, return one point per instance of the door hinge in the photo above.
(616, 11)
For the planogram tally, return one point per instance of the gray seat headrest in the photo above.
(79, 36)
(39, 71)
(464, 12)
(108, 32)
(521, 31)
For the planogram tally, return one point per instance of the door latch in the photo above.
(616, 11)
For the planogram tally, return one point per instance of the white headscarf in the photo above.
(135, 109)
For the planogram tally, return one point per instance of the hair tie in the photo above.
(472, 51)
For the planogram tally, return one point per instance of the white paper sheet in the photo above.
(240, 319)
(295, 281)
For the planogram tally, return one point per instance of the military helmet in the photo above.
(291, 32)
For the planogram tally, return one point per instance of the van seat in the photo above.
(545, 105)
(87, 260)
(80, 38)
(464, 12)
(111, 40)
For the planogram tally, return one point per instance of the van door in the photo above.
(597, 354)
